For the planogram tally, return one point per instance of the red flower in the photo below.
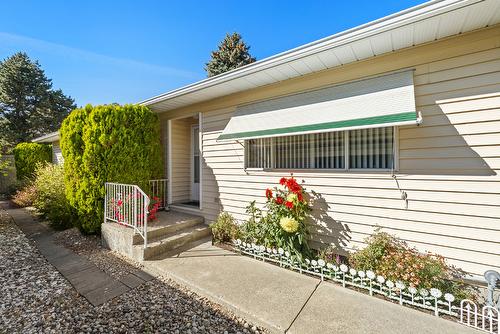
(279, 200)
(120, 202)
(269, 193)
(289, 204)
(293, 186)
(283, 181)
(300, 197)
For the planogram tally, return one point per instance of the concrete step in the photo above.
(168, 224)
(170, 243)
(184, 248)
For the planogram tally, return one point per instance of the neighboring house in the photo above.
(395, 123)
(53, 139)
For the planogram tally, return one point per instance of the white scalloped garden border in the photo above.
(487, 319)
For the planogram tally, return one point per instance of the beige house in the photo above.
(395, 123)
(53, 139)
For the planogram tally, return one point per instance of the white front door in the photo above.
(195, 163)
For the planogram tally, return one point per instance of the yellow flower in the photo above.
(289, 224)
(291, 197)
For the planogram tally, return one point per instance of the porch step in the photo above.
(168, 243)
(167, 235)
(167, 224)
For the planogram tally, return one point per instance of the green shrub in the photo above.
(25, 196)
(225, 228)
(50, 199)
(28, 156)
(108, 143)
(253, 229)
(396, 260)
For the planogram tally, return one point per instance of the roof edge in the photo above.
(48, 138)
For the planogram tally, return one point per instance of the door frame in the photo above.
(169, 155)
(200, 147)
(169, 161)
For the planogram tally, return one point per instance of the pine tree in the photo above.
(232, 53)
(29, 107)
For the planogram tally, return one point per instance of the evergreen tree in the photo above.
(29, 107)
(232, 53)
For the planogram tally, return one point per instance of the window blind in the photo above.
(366, 149)
(371, 148)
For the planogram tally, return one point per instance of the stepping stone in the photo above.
(89, 279)
(74, 267)
(106, 292)
(143, 275)
(132, 281)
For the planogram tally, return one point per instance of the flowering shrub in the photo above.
(153, 208)
(284, 224)
(50, 199)
(396, 260)
(25, 196)
(123, 208)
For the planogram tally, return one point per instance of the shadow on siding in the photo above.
(328, 231)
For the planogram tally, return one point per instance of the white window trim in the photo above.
(335, 170)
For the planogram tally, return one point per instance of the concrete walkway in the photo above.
(88, 280)
(286, 301)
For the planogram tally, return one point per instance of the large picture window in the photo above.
(355, 149)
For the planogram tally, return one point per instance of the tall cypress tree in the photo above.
(232, 53)
(29, 107)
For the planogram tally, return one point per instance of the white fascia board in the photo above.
(48, 138)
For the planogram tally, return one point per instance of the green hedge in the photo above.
(28, 156)
(107, 143)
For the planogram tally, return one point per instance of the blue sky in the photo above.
(126, 51)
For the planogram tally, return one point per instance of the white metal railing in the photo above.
(486, 318)
(158, 190)
(127, 204)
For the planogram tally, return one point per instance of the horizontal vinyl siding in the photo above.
(57, 157)
(449, 167)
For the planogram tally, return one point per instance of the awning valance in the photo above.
(387, 100)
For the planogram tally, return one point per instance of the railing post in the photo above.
(105, 201)
(134, 212)
(145, 227)
(165, 187)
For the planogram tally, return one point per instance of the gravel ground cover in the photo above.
(114, 264)
(35, 298)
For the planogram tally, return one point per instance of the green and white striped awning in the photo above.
(387, 100)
